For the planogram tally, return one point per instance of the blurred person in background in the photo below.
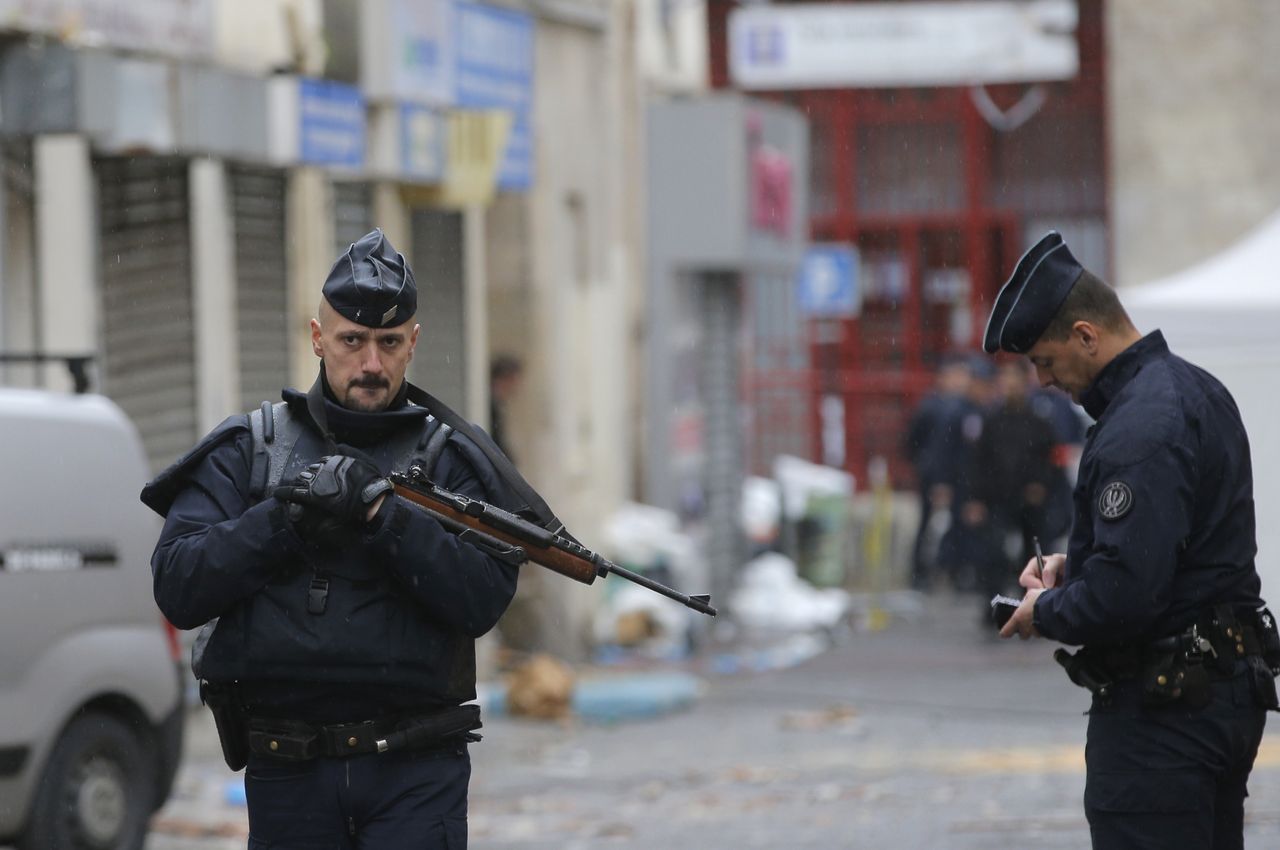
(1158, 584)
(1069, 427)
(935, 447)
(506, 373)
(1068, 423)
(344, 620)
(1013, 475)
(970, 541)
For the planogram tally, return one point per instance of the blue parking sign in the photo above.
(828, 281)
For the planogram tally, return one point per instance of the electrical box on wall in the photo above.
(729, 182)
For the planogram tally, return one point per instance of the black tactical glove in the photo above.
(338, 486)
(317, 528)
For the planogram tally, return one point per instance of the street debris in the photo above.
(540, 688)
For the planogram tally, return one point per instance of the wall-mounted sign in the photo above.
(183, 28)
(495, 71)
(407, 51)
(771, 180)
(423, 143)
(848, 45)
(827, 285)
(331, 129)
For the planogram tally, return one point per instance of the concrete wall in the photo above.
(310, 225)
(559, 268)
(1193, 128)
(562, 266)
(67, 304)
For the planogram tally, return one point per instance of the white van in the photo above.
(90, 698)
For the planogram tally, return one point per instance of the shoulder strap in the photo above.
(485, 443)
(435, 447)
(275, 431)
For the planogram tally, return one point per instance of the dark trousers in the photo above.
(392, 801)
(921, 564)
(1171, 777)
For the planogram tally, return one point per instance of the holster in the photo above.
(230, 719)
(1264, 683)
(1255, 640)
(1267, 666)
(1082, 671)
(1269, 639)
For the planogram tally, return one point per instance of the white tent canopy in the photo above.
(1223, 314)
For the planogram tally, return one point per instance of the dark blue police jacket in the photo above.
(1164, 516)
(405, 600)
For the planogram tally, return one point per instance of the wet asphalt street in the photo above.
(927, 733)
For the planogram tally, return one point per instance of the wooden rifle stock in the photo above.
(552, 558)
(461, 514)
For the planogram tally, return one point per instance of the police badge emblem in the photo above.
(1115, 500)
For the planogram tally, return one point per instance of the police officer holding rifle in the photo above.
(339, 619)
(1158, 585)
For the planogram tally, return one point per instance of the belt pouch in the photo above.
(283, 740)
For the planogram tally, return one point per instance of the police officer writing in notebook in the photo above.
(1158, 584)
(343, 645)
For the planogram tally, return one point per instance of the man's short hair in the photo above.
(1090, 300)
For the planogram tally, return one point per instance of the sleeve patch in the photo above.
(1115, 501)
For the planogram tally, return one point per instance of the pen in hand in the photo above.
(1035, 541)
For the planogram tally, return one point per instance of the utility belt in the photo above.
(240, 734)
(1181, 667)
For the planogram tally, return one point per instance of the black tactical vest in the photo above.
(330, 617)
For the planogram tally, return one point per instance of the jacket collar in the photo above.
(356, 427)
(1123, 367)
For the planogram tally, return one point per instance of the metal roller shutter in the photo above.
(439, 365)
(352, 213)
(721, 306)
(18, 295)
(258, 208)
(148, 357)
(777, 384)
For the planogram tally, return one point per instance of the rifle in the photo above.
(517, 540)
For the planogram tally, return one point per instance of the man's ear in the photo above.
(1087, 334)
(413, 340)
(315, 339)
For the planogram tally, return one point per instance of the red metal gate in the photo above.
(939, 204)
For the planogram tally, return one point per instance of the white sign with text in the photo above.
(868, 45)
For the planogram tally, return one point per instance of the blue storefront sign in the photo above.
(495, 70)
(828, 282)
(331, 123)
(423, 143)
(419, 56)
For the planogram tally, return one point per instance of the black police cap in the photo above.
(371, 284)
(1031, 297)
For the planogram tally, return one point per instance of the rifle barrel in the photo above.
(701, 604)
